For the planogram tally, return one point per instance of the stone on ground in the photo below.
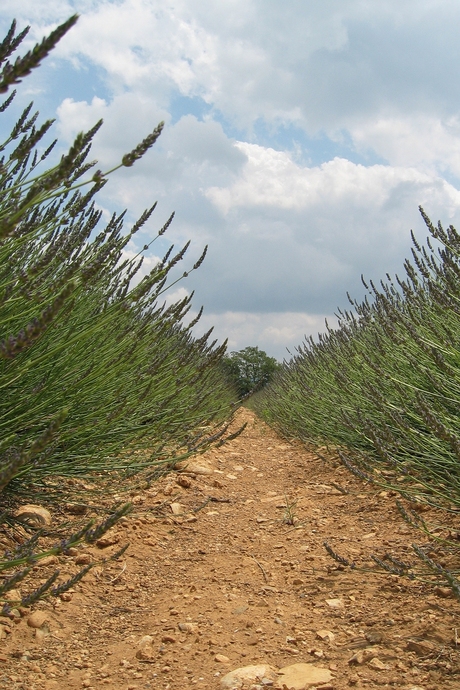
(247, 674)
(33, 514)
(302, 676)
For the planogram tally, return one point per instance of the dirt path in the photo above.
(229, 583)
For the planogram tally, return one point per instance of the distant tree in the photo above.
(249, 369)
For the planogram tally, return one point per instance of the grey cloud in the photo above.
(201, 142)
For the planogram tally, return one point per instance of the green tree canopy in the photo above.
(250, 369)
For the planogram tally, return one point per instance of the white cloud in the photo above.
(421, 141)
(127, 120)
(271, 178)
(286, 239)
(276, 333)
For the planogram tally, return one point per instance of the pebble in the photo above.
(145, 654)
(184, 482)
(12, 595)
(378, 665)
(374, 636)
(83, 559)
(362, 657)
(444, 592)
(109, 539)
(168, 638)
(33, 515)
(37, 619)
(222, 659)
(302, 676)
(193, 468)
(335, 603)
(176, 508)
(249, 674)
(190, 628)
(420, 647)
(48, 560)
(325, 635)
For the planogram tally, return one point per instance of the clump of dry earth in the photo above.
(217, 578)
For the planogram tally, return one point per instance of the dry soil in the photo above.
(239, 576)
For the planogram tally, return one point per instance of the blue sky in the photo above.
(300, 139)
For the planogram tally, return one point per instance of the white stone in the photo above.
(302, 676)
(247, 674)
(33, 515)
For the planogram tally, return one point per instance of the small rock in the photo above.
(374, 636)
(184, 482)
(72, 551)
(37, 619)
(298, 581)
(48, 560)
(13, 595)
(168, 638)
(34, 515)
(177, 508)
(420, 647)
(378, 665)
(109, 539)
(444, 592)
(239, 610)
(76, 508)
(83, 559)
(302, 676)
(245, 675)
(192, 468)
(145, 650)
(189, 628)
(335, 603)
(14, 615)
(66, 596)
(145, 654)
(222, 659)
(325, 635)
(362, 656)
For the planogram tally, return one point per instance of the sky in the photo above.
(300, 139)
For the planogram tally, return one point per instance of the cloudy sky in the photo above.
(301, 137)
